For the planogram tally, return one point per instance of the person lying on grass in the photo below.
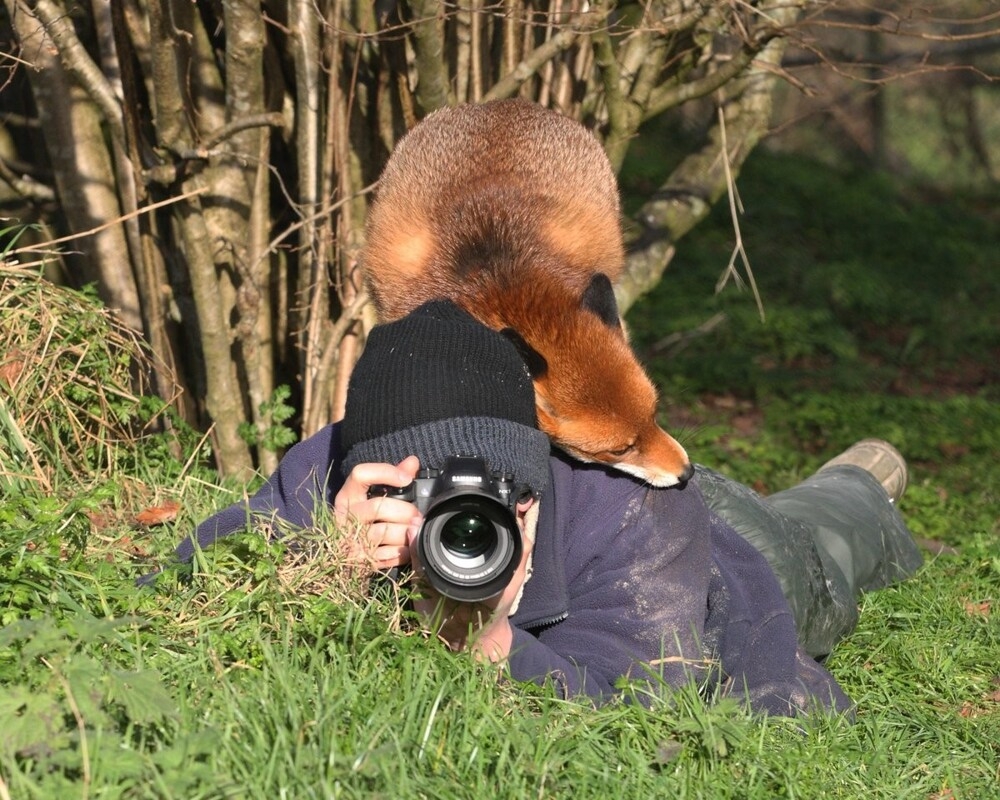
(704, 582)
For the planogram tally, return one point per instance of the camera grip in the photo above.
(397, 492)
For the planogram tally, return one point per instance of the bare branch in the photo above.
(78, 62)
(694, 186)
(25, 186)
(42, 246)
(735, 209)
(166, 174)
(607, 64)
(670, 96)
(428, 44)
(894, 25)
(530, 64)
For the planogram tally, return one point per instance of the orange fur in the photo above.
(510, 210)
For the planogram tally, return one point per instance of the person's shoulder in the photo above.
(585, 480)
(584, 487)
(323, 445)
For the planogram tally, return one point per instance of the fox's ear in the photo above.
(535, 361)
(599, 299)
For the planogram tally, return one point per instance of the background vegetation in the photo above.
(266, 675)
(872, 229)
(207, 166)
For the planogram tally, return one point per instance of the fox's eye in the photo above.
(621, 450)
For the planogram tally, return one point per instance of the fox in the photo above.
(511, 211)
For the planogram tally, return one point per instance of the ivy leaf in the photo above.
(32, 722)
(142, 695)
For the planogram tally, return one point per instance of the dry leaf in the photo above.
(158, 515)
(100, 520)
(977, 609)
(11, 370)
(953, 450)
(126, 545)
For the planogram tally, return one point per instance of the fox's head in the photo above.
(593, 398)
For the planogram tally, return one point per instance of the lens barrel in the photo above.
(469, 545)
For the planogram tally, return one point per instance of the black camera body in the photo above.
(469, 543)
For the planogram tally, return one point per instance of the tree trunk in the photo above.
(174, 32)
(81, 166)
(701, 178)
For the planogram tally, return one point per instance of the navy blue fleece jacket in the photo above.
(627, 581)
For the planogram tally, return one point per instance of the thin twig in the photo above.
(26, 186)
(195, 452)
(267, 120)
(735, 207)
(666, 97)
(508, 85)
(34, 248)
(678, 340)
(347, 318)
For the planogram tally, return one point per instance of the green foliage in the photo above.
(70, 715)
(274, 413)
(43, 536)
(865, 284)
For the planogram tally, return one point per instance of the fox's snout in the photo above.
(659, 460)
(627, 439)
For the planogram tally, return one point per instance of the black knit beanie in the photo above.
(438, 383)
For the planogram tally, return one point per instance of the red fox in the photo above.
(511, 211)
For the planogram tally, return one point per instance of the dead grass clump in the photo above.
(71, 384)
(326, 562)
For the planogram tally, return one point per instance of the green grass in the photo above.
(264, 676)
(235, 686)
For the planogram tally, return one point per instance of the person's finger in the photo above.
(411, 540)
(354, 493)
(388, 520)
(390, 532)
(388, 556)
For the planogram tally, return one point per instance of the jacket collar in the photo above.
(545, 599)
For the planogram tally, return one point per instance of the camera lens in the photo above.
(469, 545)
(467, 536)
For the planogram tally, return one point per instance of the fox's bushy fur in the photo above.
(511, 210)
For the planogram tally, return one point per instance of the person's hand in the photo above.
(381, 522)
(484, 626)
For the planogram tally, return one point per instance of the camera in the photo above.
(469, 543)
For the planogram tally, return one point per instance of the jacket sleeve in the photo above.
(754, 633)
(637, 566)
(307, 477)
